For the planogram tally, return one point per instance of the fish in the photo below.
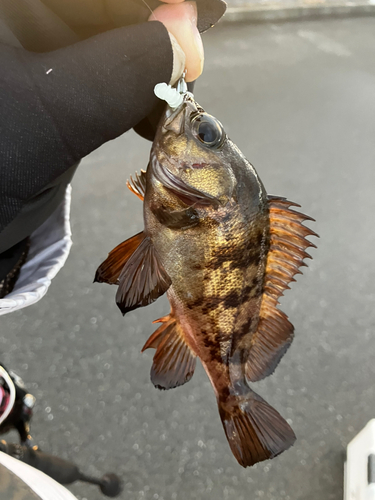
(223, 251)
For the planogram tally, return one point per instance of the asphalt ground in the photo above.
(299, 100)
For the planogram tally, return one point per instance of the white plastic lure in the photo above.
(172, 95)
(168, 94)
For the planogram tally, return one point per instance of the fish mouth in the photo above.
(187, 194)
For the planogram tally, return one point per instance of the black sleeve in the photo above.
(57, 107)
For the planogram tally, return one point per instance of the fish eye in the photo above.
(208, 130)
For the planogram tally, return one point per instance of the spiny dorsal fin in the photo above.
(109, 270)
(174, 361)
(287, 250)
(143, 278)
(138, 184)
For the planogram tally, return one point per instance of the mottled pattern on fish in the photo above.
(224, 252)
(220, 287)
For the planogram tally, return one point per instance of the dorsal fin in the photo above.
(138, 184)
(287, 250)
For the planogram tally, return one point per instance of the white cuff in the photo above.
(49, 248)
(44, 486)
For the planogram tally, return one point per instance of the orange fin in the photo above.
(109, 270)
(138, 184)
(143, 279)
(287, 250)
(174, 361)
(255, 431)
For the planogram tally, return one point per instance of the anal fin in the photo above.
(174, 361)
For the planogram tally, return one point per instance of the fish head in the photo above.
(191, 151)
(193, 157)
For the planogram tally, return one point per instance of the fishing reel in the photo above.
(16, 410)
(16, 407)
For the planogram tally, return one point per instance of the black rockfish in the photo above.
(224, 251)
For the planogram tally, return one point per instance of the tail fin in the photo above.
(255, 431)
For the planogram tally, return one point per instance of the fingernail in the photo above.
(178, 60)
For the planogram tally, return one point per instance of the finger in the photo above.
(179, 60)
(172, 1)
(181, 20)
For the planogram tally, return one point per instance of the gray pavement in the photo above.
(286, 3)
(255, 11)
(299, 100)
(290, 3)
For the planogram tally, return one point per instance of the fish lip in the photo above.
(171, 113)
(187, 194)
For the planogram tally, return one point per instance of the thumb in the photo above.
(180, 19)
(179, 60)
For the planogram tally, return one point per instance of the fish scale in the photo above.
(211, 307)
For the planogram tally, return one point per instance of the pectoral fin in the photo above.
(174, 361)
(143, 278)
(135, 266)
(109, 270)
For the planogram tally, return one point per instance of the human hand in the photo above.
(90, 17)
(180, 19)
